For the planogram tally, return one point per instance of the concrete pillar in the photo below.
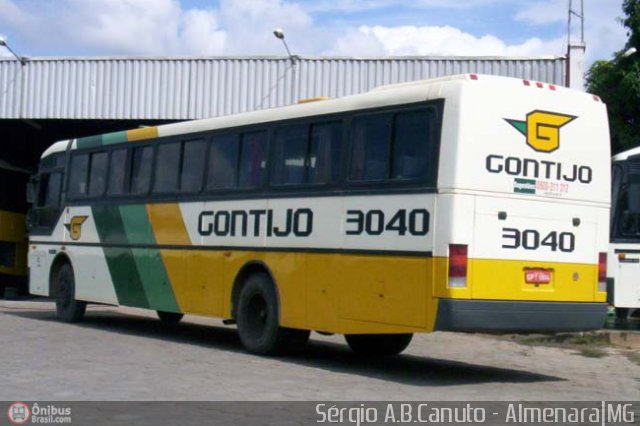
(575, 65)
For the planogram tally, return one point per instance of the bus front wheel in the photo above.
(258, 320)
(378, 344)
(68, 309)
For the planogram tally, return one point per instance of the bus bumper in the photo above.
(515, 316)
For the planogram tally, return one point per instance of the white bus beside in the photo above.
(465, 203)
(623, 289)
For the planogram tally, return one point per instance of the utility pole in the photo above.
(574, 77)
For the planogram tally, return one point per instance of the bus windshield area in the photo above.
(628, 209)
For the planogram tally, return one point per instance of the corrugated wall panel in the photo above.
(11, 76)
(185, 88)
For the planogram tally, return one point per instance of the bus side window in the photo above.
(78, 175)
(141, 161)
(98, 174)
(253, 160)
(324, 153)
(117, 172)
(412, 142)
(370, 137)
(167, 167)
(193, 161)
(222, 162)
(290, 152)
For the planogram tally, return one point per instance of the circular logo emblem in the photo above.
(19, 413)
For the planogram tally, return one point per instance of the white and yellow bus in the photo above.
(623, 291)
(465, 203)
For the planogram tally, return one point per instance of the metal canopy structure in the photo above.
(137, 88)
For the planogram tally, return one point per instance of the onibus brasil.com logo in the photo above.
(20, 413)
(542, 129)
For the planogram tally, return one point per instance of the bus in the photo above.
(623, 287)
(13, 230)
(463, 203)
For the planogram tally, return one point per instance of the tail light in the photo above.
(457, 265)
(602, 272)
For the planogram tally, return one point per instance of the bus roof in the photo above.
(387, 95)
(626, 154)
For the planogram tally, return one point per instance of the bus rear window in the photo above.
(412, 140)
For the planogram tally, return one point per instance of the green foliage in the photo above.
(617, 82)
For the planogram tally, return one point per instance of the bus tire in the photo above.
(68, 309)
(378, 344)
(622, 313)
(169, 317)
(258, 320)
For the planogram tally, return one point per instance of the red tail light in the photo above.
(457, 265)
(602, 271)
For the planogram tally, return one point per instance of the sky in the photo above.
(312, 27)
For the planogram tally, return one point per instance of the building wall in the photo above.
(188, 88)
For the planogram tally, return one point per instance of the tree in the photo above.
(617, 83)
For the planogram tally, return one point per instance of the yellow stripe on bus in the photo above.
(142, 133)
(351, 293)
(194, 274)
(493, 279)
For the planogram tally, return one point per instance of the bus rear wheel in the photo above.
(68, 309)
(169, 317)
(378, 344)
(258, 320)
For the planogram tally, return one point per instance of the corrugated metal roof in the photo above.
(189, 88)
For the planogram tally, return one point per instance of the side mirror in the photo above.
(32, 187)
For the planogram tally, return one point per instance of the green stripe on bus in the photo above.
(120, 260)
(100, 140)
(151, 269)
(115, 137)
(89, 141)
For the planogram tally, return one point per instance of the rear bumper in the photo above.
(516, 316)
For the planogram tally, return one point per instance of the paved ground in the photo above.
(125, 354)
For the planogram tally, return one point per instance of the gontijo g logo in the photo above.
(542, 129)
(75, 227)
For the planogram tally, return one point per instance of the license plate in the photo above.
(537, 276)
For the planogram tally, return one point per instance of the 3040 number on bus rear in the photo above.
(531, 239)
